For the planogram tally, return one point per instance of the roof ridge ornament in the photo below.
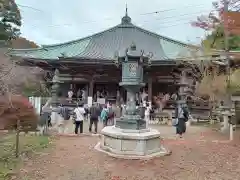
(126, 19)
(133, 47)
(126, 14)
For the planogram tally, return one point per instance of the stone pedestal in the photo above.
(226, 115)
(131, 144)
(54, 117)
(225, 123)
(131, 122)
(236, 99)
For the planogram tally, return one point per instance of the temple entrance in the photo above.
(164, 88)
(108, 91)
(160, 89)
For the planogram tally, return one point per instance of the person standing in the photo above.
(144, 96)
(80, 113)
(63, 118)
(86, 115)
(83, 95)
(70, 93)
(117, 112)
(147, 114)
(110, 114)
(182, 118)
(104, 116)
(79, 94)
(94, 114)
(118, 97)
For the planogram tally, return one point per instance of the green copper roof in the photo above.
(104, 45)
(53, 52)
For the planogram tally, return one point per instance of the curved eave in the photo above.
(83, 60)
(86, 60)
(42, 63)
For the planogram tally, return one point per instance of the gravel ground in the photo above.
(198, 157)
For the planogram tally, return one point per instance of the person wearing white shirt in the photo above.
(83, 94)
(147, 114)
(80, 113)
(144, 95)
(70, 94)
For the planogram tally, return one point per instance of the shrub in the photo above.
(216, 86)
(17, 108)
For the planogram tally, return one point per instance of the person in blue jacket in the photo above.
(104, 116)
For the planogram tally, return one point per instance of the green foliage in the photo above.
(36, 90)
(10, 20)
(234, 87)
(215, 40)
(29, 145)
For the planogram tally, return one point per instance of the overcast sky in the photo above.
(55, 21)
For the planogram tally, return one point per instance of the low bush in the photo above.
(17, 109)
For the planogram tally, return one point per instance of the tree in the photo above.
(213, 20)
(213, 24)
(17, 79)
(10, 20)
(215, 40)
(12, 76)
(22, 43)
(214, 84)
(17, 113)
(235, 83)
(18, 109)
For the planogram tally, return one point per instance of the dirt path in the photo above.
(195, 158)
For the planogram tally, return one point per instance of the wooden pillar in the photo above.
(184, 84)
(91, 86)
(150, 88)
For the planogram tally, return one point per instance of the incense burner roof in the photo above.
(104, 45)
